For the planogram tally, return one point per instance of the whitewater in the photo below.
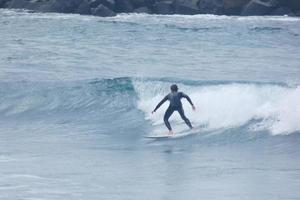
(76, 95)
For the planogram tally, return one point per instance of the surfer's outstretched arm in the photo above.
(160, 103)
(189, 99)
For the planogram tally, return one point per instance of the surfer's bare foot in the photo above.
(171, 133)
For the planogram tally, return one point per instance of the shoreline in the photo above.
(109, 8)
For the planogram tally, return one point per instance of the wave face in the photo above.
(31, 99)
(220, 105)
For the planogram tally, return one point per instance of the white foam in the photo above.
(142, 18)
(178, 18)
(287, 113)
(228, 105)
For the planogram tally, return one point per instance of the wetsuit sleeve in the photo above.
(161, 102)
(187, 98)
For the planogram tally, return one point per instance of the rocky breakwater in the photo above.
(107, 8)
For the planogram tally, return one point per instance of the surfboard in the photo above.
(180, 134)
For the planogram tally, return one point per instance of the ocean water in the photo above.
(76, 95)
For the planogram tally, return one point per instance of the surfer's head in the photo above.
(174, 88)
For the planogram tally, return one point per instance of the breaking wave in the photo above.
(268, 107)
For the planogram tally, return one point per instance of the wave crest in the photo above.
(271, 107)
(220, 105)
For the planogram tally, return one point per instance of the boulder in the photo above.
(187, 7)
(18, 4)
(282, 11)
(108, 3)
(84, 8)
(259, 7)
(294, 5)
(36, 5)
(141, 3)
(111, 4)
(124, 6)
(103, 11)
(60, 6)
(234, 7)
(142, 10)
(234, 3)
(94, 3)
(163, 7)
(211, 6)
(2, 3)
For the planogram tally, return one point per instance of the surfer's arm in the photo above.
(160, 103)
(189, 99)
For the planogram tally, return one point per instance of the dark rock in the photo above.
(294, 5)
(211, 6)
(18, 4)
(282, 11)
(94, 3)
(108, 3)
(68, 6)
(142, 10)
(110, 7)
(84, 8)
(234, 3)
(234, 7)
(124, 6)
(163, 7)
(141, 3)
(187, 7)
(103, 11)
(259, 7)
(60, 6)
(36, 5)
(2, 3)
(111, 4)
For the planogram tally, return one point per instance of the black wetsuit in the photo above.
(175, 104)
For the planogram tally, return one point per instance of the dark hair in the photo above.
(174, 88)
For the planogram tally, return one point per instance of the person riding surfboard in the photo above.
(175, 105)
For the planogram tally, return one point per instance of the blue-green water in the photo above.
(76, 95)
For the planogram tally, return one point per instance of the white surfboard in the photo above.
(180, 134)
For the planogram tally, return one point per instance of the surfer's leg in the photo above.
(186, 120)
(167, 115)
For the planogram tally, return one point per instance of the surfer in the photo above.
(175, 105)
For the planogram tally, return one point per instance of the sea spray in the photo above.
(223, 106)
